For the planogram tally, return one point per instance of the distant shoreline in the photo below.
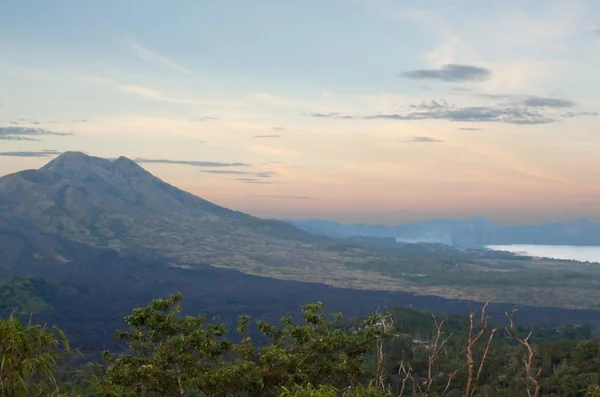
(578, 253)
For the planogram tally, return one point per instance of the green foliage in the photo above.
(171, 352)
(25, 295)
(28, 358)
(593, 391)
(174, 355)
(309, 390)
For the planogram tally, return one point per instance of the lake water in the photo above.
(569, 252)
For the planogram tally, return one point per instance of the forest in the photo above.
(392, 352)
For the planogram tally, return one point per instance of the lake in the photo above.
(568, 252)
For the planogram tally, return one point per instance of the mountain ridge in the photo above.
(473, 231)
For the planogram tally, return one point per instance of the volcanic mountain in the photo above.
(119, 205)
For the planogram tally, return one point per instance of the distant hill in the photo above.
(466, 232)
(117, 204)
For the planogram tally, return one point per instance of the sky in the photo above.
(377, 111)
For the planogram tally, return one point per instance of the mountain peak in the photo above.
(128, 167)
(74, 160)
(81, 163)
(73, 156)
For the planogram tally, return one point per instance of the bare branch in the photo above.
(472, 340)
(407, 376)
(386, 324)
(450, 377)
(485, 353)
(532, 376)
(436, 348)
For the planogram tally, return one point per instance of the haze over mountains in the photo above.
(465, 232)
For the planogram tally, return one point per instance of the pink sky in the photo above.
(382, 112)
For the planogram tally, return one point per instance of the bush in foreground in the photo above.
(28, 358)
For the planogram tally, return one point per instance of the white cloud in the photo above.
(274, 151)
(150, 93)
(157, 59)
(271, 99)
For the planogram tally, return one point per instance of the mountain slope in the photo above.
(466, 232)
(117, 204)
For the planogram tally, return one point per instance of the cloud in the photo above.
(332, 115)
(201, 119)
(267, 136)
(227, 172)
(472, 129)
(473, 114)
(150, 93)
(548, 102)
(192, 163)
(423, 139)
(279, 128)
(265, 174)
(530, 100)
(433, 104)
(532, 110)
(577, 114)
(44, 153)
(26, 133)
(465, 114)
(16, 138)
(271, 99)
(149, 56)
(255, 181)
(283, 197)
(146, 92)
(253, 175)
(451, 73)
